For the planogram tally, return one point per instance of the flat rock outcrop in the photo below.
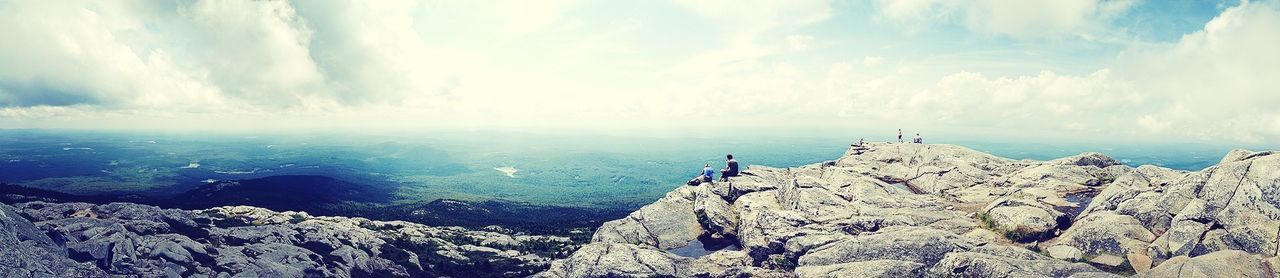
(123, 239)
(903, 210)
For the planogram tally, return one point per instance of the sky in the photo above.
(1168, 71)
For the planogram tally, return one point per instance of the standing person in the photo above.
(730, 169)
(899, 135)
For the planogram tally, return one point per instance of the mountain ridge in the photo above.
(126, 239)
(974, 215)
(323, 195)
(879, 210)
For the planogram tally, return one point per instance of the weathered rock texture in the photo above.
(887, 210)
(39, 239)
(1163, 214)
(904, 210)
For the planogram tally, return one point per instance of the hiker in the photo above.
(918, 140)
(706, 176)
(708, 173)
(730, 169)
(899, 135)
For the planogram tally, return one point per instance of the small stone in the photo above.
(1141, 263)
(1065, 252)
(1107, 260)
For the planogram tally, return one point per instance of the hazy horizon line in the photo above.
(774, 133)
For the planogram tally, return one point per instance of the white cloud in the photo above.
(1043, 103)
(333, 63)
(1216, 84)
(527, 16)
(222, 56)
(872, 61)
(372, 53)
(345, 62)
(744, 23)
(253, 51)
(1151, 124)
(799, 42)
(62, 54)
(913, 11)
(1274, 129)
(1008, 17)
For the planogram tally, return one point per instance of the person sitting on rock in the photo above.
(918, 140)
(859, 144)
(730, 169)
(707, 174)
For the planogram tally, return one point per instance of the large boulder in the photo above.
(872, 268)
(1134, 193)
(715, 215)
(1023, 220)
(1107, 233)
(1229, 263)
(619, 260)
(1159, 214)
(1005, 261)
(931, 168)
(668, 223)
(1095, 159)
(1241, 155)
(764, 230)
(25, 251)
(922, 245)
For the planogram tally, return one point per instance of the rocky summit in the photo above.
(40, 239)
(910, 210)
(880, 210)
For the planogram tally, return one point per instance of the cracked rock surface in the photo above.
(887, 210)
(42, 239)
(1163, 214)
(903, 210)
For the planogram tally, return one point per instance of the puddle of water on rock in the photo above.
(901, 185)
(705, 245)
(1081, 199)
(904, 186)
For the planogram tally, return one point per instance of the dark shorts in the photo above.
(726, 174)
